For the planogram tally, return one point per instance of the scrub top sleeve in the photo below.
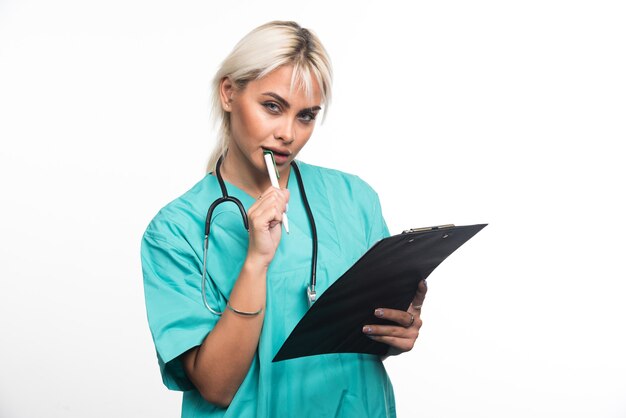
(378, 227)
(177, 316)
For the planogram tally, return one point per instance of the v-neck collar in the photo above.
(246, 199)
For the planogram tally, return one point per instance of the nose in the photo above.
(285, 131)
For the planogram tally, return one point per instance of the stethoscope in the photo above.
(311, 294)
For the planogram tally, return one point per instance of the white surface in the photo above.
(510, 113)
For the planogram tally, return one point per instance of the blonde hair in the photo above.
(262, 51)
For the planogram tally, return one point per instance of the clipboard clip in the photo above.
(428, 228)
(311, 295)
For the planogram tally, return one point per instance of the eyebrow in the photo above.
(286, 104)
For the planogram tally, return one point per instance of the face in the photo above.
(266, 115)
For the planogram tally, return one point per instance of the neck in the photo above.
(248, 177)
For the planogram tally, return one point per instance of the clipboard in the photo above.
(386, 276)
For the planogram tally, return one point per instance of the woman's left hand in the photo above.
(400, 338)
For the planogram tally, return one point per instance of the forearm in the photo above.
(219, 365)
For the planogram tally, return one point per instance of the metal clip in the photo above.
(428, 228)
(311, 294)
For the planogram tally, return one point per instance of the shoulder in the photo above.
(354, 205)
(338, 182)
(186, 214)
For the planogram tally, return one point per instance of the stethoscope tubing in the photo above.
(226, 198)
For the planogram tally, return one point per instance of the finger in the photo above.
(404, 318)
(273, 224)
(401, 344)
(273, 199)
(265, 218)
(284, 193)
(420, 295)
(392, 331)
(274, 196)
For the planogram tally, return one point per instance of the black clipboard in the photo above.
(387, 276)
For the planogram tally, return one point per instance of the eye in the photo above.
(272, 107)
(307, 117)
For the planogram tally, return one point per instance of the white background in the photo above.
(511, 113)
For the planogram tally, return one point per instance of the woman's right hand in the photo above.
(265, 221)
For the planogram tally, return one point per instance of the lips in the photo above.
(281, 156)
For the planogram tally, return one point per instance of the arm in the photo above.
(218, 366)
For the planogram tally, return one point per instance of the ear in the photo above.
(227, 90)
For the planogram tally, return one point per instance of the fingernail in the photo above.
(379, 312)
(367, 330)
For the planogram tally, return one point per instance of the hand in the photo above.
(265, 219)
(401, 338)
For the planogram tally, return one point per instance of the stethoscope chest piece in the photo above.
(311, 295)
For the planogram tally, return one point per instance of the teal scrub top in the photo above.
(349, 220)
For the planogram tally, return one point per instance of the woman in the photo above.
(267, 96)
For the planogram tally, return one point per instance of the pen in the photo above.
(273, 173)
